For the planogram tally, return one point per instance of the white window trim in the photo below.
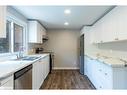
(17, 21)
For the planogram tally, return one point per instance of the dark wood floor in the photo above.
(66, 79)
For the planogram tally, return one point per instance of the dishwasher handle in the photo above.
(22, 71)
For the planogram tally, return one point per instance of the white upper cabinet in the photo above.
(112, 27)
(121, 19)
(2, 21)
(36, 32)
(108, 25)
(97, 30)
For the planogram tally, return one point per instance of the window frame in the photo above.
(20, 23)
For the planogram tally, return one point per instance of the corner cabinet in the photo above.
(36, 32)
(2, 21)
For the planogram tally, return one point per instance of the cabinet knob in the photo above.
(100, 70)
(106, 74)
(116, 39)
(101, 41)
(100, 87)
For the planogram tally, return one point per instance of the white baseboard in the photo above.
(58, 68)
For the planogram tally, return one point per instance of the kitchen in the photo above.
(57, 47)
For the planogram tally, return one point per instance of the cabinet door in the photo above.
(9, 84)
(108, 32)
(42, 71)
(35, 76)
(96, 33)
(2, 21)
(121, 23)
(85, 66)
(97, 29)
(43, 31)
(39, 33)
(107, 77)
(90, 68)
(32, 31)
(46, 64)
(103, 77)
(95, 74)
(35, 32)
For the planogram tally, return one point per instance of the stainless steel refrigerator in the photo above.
(82, 54)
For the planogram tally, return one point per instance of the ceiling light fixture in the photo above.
(66, 23)
(67, 11)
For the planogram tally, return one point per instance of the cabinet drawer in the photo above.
(104, 69)
(103, 76)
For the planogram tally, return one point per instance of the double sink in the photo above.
(27, 58)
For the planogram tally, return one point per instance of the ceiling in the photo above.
(53, 17)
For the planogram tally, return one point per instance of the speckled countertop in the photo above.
(10, 67)
(110, 61)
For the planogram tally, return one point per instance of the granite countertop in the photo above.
(9, 67)
(110, 61)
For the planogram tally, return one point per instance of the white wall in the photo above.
(64, 44)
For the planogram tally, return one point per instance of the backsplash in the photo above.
(32, 47)
(113, 49)
(117, 49)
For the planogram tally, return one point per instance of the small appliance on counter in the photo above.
(38, 50)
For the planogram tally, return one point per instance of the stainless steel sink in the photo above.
(31, 58)
(27, 58)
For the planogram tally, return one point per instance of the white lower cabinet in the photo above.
(35, 76)
(46, 63)
(40, 72)
(104, 76)
(7, 83)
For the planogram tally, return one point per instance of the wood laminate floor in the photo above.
(66, 79)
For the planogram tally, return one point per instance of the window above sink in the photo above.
(15, 36)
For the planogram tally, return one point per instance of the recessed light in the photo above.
(67, 11)
(66, 23)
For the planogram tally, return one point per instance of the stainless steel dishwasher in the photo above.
(23, 78)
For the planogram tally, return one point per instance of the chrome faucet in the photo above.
(20, 53)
